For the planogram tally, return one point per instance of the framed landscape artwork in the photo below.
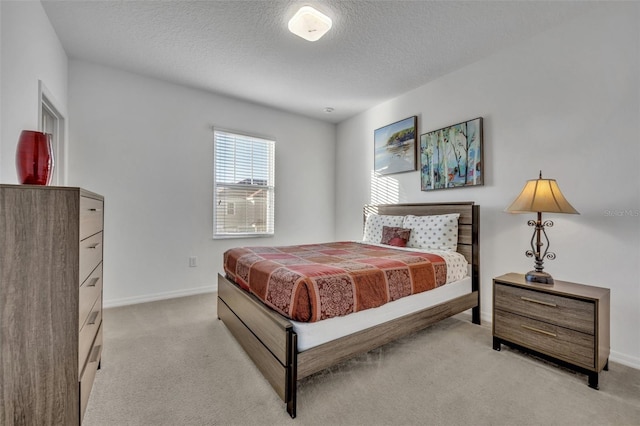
(395, 147)
(451, 157)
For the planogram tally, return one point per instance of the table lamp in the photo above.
(538, 196)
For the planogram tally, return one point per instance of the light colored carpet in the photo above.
(173, 363)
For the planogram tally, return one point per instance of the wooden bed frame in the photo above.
(269, 338)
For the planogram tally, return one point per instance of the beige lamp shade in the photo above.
(541, 195)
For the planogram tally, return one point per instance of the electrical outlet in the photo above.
(193, 261)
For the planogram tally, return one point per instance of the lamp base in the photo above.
(539, 277)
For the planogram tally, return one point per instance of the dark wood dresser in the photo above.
(565, 322)
(50, 302)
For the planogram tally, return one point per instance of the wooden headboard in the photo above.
(468, 226)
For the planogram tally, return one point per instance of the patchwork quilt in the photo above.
(318, 281)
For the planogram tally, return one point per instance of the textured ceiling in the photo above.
(375, 51)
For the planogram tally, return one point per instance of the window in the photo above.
(243, 199)
(52, 122)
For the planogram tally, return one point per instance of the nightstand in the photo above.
(564, 322)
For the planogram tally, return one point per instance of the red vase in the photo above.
(34, 158)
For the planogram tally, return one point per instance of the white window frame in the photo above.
(51, 120)
(234, 207)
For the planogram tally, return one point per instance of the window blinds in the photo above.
(243, 185)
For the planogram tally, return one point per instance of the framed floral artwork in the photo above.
(451, 157)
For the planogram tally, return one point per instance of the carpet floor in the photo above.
(172, 362)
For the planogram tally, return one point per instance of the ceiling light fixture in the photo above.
(309, 23)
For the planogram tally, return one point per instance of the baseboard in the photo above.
(113, 303)
(486, 318)
(623, 359)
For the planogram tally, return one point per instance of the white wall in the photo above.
(30, 51)
(1, 49)
(147, 146)
(566, 102)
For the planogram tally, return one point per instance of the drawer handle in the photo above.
(95, 210)
(540, 302)
(92, 318)
(95, 353)
(537, 330)
(93, 282)
(94, 246)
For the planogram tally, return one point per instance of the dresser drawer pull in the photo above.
(537, 330)
(94, 246)
(95, 353)
(93, 282)
(92, 318)
(540, 302)
(95, 210)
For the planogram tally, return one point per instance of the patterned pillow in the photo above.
(374, 223)
(433, 232)
(394, 236)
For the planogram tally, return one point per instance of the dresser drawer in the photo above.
(91, 216)
(88, 333)
(559, 342)
(563, 311)
(90, 291)
(89, 373)
(90, 255)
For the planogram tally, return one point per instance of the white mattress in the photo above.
(311, 334)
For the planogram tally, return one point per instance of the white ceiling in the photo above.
(375, 51)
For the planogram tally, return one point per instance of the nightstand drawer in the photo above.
(563, 311)
(559, 342)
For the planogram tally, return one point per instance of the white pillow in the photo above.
(374, 223)
(433, 232)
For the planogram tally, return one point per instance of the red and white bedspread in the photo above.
(309, 283)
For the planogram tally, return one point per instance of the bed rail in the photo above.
(267, 337)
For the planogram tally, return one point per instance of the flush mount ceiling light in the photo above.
(309, 23)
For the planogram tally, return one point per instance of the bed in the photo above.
(271, 339)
